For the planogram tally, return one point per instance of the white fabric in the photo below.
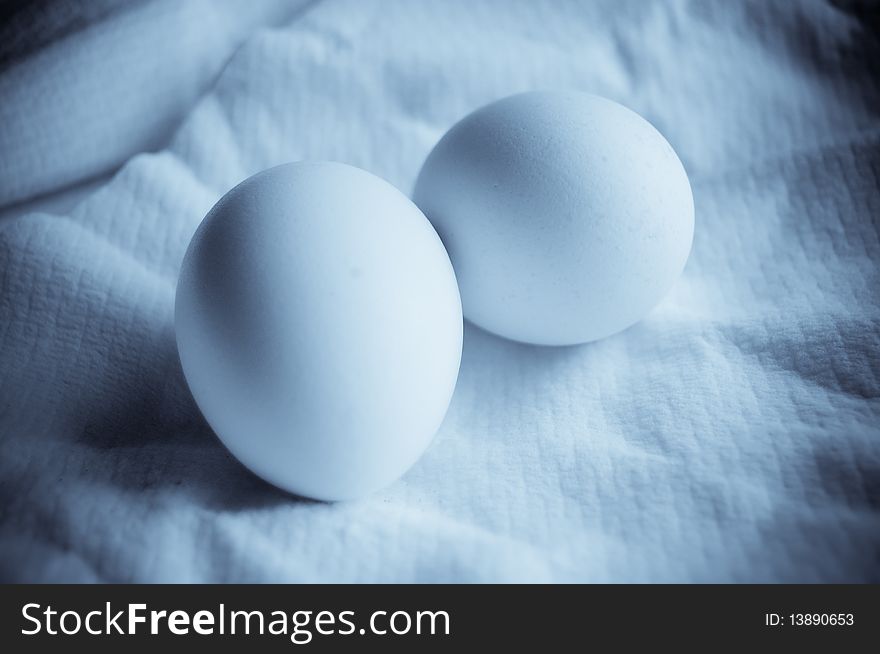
(115, 81)
(730, 436)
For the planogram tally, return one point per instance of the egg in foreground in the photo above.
(319, 327)
(567, 216)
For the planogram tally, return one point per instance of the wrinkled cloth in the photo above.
(86, 84)
(730, 436)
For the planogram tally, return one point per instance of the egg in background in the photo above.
(567, 216)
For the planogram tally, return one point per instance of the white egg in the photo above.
(567, 216)
(319, 328)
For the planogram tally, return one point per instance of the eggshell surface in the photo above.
(567, 216)
(319, 328)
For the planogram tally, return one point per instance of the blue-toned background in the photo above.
(731, 436)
